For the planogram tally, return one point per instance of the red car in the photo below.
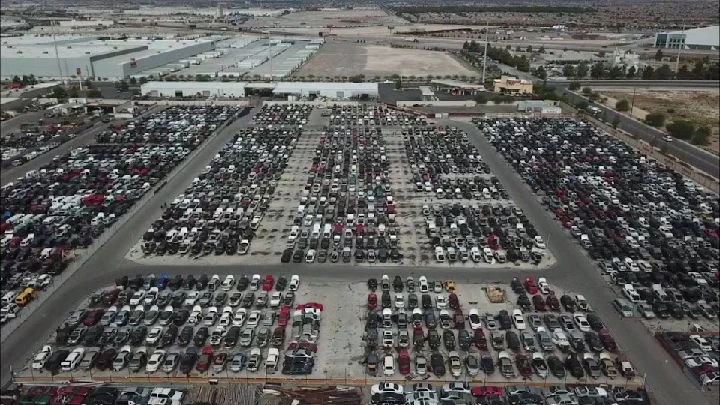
(372, 301)
(459, 319)
(315, 305)
(204, 360)
(530, 286)
(453, 301)
(486, 391)
(268, 283)
(404, 362)
(608, 340)
(284, 316)
(480, 339)
(93, 317)
(523, 365)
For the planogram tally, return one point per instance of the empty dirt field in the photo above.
(324, 18)
(346, 59)
(701, 107)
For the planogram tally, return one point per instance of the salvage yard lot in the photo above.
(347, 59)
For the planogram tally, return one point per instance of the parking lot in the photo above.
(221, 215)
(94, 395)
(55, 212)
(250, 325)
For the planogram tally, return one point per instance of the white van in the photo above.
(389, 365)
(72, 360)
(623, 307)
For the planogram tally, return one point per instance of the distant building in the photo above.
(512, 85)
(426, 93)
(538, 107)
(456, 87)
(625, 59)
(694, 38)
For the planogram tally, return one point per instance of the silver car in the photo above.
(171, 362)
(237, 363)
(246, 337)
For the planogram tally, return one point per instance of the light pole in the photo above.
(632, 103)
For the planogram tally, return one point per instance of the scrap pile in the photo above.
(311, 396)
(231, 394)
(495, 294)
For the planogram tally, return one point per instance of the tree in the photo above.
(518, 49)
(616, 72)
(32, 80)
(631, 72)
(88, 84)
(16, 79)
(701, 136)
(616, 121)
(659, 55)
(622, 105)
(568, 70)
(664, 72)
(597, 71)
(529, 48)
(574, 86)
(684, 73)
(122, 86)
(398, 85)
(480, 99)
(59, 93)
(582, 105)
(541, 50)
(648, 73)
(655, 119)
(581, 70)
(587, 91)
(133, 81)
(73, 93)
(541, 73)
(143, 80)
(94, 93)
(681, 129)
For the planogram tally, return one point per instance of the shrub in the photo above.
(655, 120)
(622, 105)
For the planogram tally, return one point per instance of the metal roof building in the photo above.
(184, 89)
(694, 38)
(327, 90)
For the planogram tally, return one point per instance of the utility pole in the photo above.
(57, 56)
(680, 46)
(487, 37)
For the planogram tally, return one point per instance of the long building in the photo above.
(297, 90)
(694, 38)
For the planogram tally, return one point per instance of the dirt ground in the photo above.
(343, 59)
(701, 107)
(339, 18)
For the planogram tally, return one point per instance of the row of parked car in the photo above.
(347, 208)
(220, 211)
(364, 114)
(462, 393)
(180, 324)
(94, 395)
(524, 342)
(698, 352)
(72, 200)
(649, 228)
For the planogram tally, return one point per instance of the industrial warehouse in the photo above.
(289, 90)
(76, 56)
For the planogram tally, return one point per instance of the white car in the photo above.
(543, 285)
(455, 364)
(191, 298)
(441, 301)
(228, 283)
(275, 299)
(196, 315)
(518, 319)
(399, 301)
(239, 318)
(424, 286)
(474, 318)
(210, 316)
(255, 282)
(560, 339)
(310, 256)
(151, 296)
(582, 322)
(41, 357)
(539, 243)
(294, 282)
(226, 317)
(701, 361)
(668, 138)
(254, 319)
(73, 359)
(137, 298)
(702, 343)
(154, 335)
(388, 365)
(155, 361)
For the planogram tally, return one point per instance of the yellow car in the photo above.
(449, 286)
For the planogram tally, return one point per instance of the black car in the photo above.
(281, 283)
(186, 336)
(593, 342)
(243, 283)
(189, 283)
(169, 336)
(556, 366)
(372, 284)
(513, 341)
(286, 256)
(523, 302)
(201, 336)
(437, 364)
(430, 320)
(385, 300)
(426, 301)
(433, 338)
(187, 362)
(180, 317)
(202, 282)
(568, 302)
(574, 366)
(504, 320)
(487, 364)
(297, 256)
(137, 336)
(594, 321)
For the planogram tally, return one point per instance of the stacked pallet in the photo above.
(230, 394)
(312, 396)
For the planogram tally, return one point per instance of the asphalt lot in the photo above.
(696, 157)
(574, 271)
(13, 124)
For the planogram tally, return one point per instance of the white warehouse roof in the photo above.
(298, 87)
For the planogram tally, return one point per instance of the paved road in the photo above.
(573, 271)
(641, 84)
(696, 157)
(13, 125)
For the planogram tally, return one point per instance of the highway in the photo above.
(573, 271)
(695, 157)
(642, 84)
